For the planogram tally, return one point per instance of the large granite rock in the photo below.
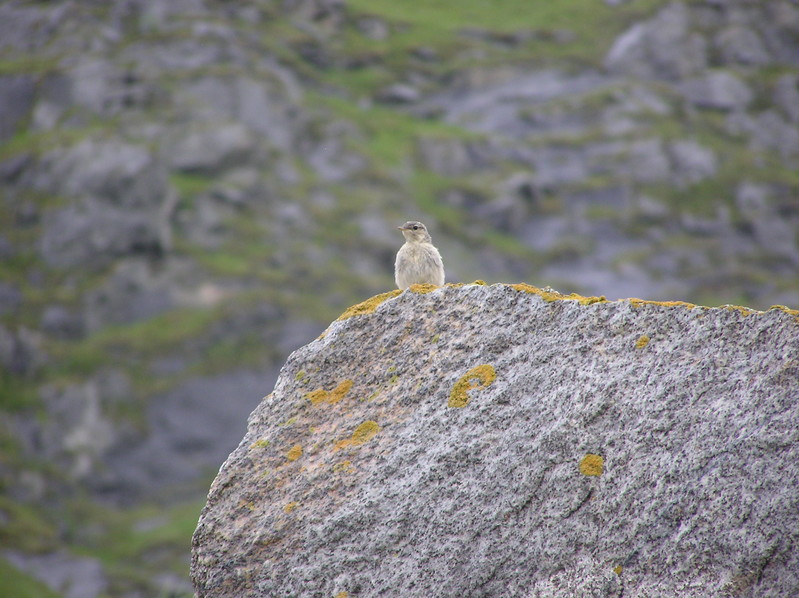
(506, 441)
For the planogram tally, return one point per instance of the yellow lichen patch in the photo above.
(477, 377)
(641, 302)
(294, 453)
(342, 595)
(617, 569)
(368, 306)
(482, 283)
(587, 300)
(291, 506)
(365, 432)
(362, 434)
(642, 342)
(339, 392)
(343, 467)
(593, 465)
(317, 396)
(422, 289)
(787, 310)
(260, 444)
(550, 295)
(526, 288)
(320, 395)
(745, 311)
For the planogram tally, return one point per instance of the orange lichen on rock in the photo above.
(362, 434)
(592, 465)
(477, 377)
(368, 306)
(641, 302)
(642, 341)
(344, 467)
(291, 506)
(320, 395)
(317, 396)
(422, 289)
(294, 453)
(552, 295)
(339, 392)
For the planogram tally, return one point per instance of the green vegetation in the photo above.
(27, 64)
(188, 185)
(114, 344)
(24, 528)
(387, 137)
(135, 545)
(128, 535)
(20, 585)
(440, 24)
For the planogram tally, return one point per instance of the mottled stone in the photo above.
(16, 98)
(720, 90)
(663, 47)
(786, 96)
(692, 162)
(742, 45)
(506, 441)
(70, 576)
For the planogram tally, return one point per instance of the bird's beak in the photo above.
(400, 228)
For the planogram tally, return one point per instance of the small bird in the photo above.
(418, 261)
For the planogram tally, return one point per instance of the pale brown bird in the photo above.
(418, 261)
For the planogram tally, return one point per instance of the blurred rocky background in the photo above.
(192, 189)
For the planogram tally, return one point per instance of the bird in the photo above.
(418, 261)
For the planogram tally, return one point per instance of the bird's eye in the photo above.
(415, 227)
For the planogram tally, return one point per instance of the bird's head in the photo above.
(415, 232)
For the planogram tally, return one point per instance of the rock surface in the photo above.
(507, 441)
(193, 189)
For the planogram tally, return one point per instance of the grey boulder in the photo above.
(508, 441)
